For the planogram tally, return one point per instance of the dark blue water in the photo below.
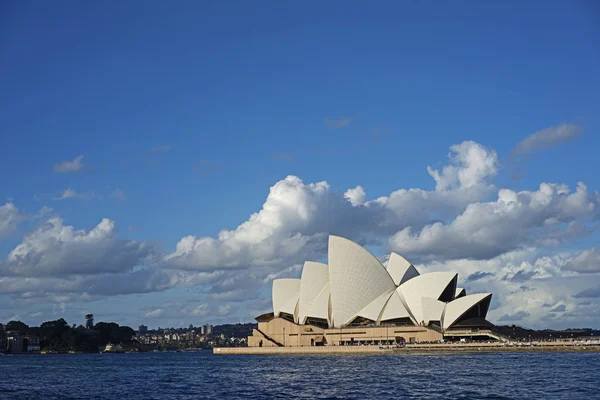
(202, 375)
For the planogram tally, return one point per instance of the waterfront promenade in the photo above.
(433, 348)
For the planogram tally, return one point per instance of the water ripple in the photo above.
(203, 375)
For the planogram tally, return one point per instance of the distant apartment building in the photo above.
(206, 329)
(142, 329)
(14, 342)
(31, 343)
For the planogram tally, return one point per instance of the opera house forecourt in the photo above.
(355, 300)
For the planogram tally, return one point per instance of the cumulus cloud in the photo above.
(590, 293)
(296, 218)
(54, 249)
(471, 163)
(588, 261)
(528, 281)
(356, 196)
(9, 219)
(514, 317)
(547, 138)
(475, 276)
(75, 165)
(85, 288)
(499, 241)
(516, 219)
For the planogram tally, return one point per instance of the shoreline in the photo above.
(413, 349)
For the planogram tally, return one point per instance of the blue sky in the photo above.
(185, 117)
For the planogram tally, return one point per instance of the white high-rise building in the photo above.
(206, 329)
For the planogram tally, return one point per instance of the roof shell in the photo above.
(285, 296)
(373, 310)
(314, 292)
(459, 307)
(356, 279)
(400, 269)
(432, 309)
(394, 308)
(430, 285)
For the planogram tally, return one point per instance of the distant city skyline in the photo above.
(163, 164)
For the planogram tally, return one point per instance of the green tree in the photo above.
(89, 321)
(17, 326)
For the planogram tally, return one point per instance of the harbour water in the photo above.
(202, 375)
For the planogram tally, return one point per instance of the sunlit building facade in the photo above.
(354, 300)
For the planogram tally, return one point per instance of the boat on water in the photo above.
(111, 348)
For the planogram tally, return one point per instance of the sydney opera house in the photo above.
(355, 300)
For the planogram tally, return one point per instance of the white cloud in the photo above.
(589, 293)
(526, 286)
(356, 196)
(516, 219)
(85, 288)
(156, 313)
(513, 234)
(224, 310)
(471, 164)
(76, 165)
(118, 194)
(547, 138)
(73, 194)
(9, 219)
(201, 310)
(54, 249)
(178, 310)
(518, 316)
(67, 194)
(296, 218)
(588, 261)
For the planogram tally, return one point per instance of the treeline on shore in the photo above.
(59, 336)
(519, 332)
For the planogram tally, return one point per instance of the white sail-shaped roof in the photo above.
(285, 296)
(373, 310)
(431, 285)
(432, 310)
(460, 292)
(314, 292)
(400, 269)
(356, 279)
(394, 308)
(459, 307)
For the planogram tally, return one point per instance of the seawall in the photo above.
(411, 349)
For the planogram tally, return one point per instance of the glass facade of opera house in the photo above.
(354, 300)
